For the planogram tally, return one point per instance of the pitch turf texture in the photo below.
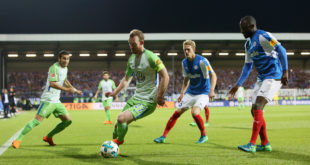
(288, 131)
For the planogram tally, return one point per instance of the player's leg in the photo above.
(104, 104)
(207, 114)
(44, 110)
(171, 122)
(184, 105)
(137, 110)
(198, 119)
(107, 111)
(61, 113)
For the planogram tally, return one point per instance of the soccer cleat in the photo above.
(248, 148)
(202, 139)
(16, 144)
(49, 140)
(106, 122)
(118, 142)
(110, 122)
(194, 124)
(161, 139)
(266, 147)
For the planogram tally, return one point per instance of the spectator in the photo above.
(5, 100)
(12, 101)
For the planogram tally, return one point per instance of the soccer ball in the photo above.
(109, 149)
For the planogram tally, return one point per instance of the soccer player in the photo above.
(207, 114)
(106, 85)
(270, 60)
(240, 97)
(146, 66)
(198, 86)
(50, 103)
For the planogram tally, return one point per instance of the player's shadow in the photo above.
(276, 154)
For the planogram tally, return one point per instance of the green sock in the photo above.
(60, 127)
(122, 129)
(28, 128)
(239, 106)
(243, 106)
(115, 132)
(108, 113)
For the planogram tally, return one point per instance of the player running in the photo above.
(196, 71)
(145, 65)
(106, 85)
(270, 60)
(50, 103)
(240, 97)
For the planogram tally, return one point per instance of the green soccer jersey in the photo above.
(59, 75)
(145, 67)
(106, 86)
(240, 92)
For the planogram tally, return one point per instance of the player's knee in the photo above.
(121, 118)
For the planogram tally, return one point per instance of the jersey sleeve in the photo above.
(155, 62)
(100, 86)
(53, 73)
(205, 67)
(113, 85)
(247, 55)
(184, 71)
(268, 42)
(129, 71)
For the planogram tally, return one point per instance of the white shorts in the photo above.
(267, 89)
(189, 101)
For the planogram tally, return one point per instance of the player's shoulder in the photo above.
(149, 53)
(265, 34)
(54, 66)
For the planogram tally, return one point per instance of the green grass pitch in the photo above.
(288, 132)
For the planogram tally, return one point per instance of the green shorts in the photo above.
(107, 102)
(240, 98)
(46, 109)
(139, 109)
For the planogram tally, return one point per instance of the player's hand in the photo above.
(233, 91)
(116, 100)
(180, 97)
(160, 101)
(211, 95)
(109, 94)
(70, 90)
(79, 92)
(95, 97)
(284, 78)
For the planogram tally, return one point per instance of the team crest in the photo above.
(195, 67)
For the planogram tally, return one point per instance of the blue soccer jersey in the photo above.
(261, 51)
(198, 72)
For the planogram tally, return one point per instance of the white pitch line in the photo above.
(8, 143)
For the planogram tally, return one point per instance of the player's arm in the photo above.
(113, 87)
(68, 84)
(269, 42)
(124, 82)
(283, 58)
(244, 75)
(213, 84)
(98, 90)
(163, 84)
(184, 88)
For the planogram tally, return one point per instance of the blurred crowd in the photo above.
(31, 84)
